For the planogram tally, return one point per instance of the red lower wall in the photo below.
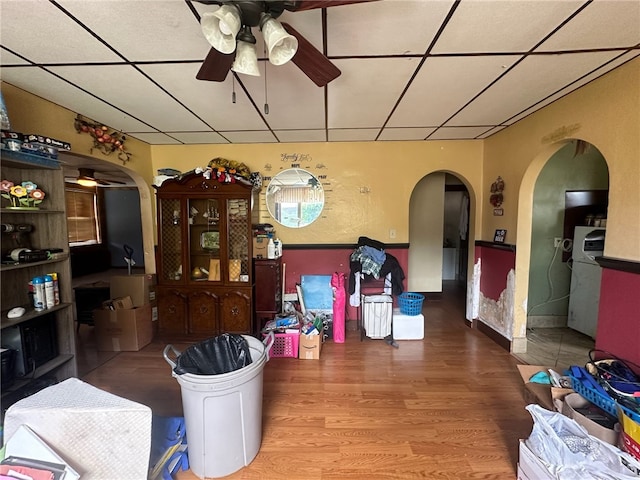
(326, 261)
(496, 262)
(619, 315)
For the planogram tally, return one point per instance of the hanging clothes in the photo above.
(339, 301)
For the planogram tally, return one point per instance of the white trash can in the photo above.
(223, 413)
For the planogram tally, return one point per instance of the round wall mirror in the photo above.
(295, 198)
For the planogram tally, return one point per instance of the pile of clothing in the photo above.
(370, 259)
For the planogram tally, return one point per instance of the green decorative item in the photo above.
(26, 196)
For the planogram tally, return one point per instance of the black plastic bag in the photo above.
(222, 354)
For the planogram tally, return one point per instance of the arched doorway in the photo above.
(439, 229)
(570, 187)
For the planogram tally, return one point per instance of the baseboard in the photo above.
(493, 335)
(546, 321)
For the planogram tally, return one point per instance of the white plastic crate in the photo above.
(407, 327)
(377, 313)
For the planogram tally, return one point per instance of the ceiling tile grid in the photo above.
(410, 69)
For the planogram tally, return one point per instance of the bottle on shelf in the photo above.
(278, 245)
(271, 249)
(49, 295)
(39, 300)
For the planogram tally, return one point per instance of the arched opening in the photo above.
(439, 235)
(570, 193)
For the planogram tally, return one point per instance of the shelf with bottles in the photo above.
(11, 265)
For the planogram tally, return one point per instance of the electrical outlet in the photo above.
(392, 233)
(557, 241)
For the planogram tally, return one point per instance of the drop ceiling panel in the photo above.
(198, 137)
(384, 28)
(135, 94)
(294, 100)
(529, 82)
(364, 95)
(8, 58)
(60, 92)
(491, 131)
(444, 85)
(295, 136)
(263, 136)
(34, 29)
(457, 133)
(353, 135)
(211, 101)
(168, 22)
(601, 24)
(156, 138)
(405, 133)
(491, 25)
(583, 81)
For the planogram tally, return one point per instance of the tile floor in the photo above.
(556, 347)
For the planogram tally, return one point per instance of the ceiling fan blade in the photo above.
(312, 61)
(216, 66)
(301, 5)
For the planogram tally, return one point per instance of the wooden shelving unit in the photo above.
(49, 231)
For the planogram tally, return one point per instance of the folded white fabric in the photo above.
(102, 436)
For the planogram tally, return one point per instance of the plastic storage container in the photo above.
(223, 414)
(407, 327)
(410, 303)
(376, 315)
(285, 345)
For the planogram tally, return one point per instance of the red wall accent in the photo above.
(326, 261)
(619, 315)
(495, 266)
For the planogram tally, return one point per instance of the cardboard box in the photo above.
(123, 330)
(140, 287)
(568, 405)
(118, 303)
(310, 347)
(260, 247)
(543, 395)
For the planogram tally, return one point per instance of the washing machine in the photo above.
(584, 298)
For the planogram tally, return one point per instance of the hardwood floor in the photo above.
(446, 407)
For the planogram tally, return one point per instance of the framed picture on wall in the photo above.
(499, 236)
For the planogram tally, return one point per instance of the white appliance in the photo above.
(588, 243)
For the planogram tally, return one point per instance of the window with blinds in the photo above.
(82, 218)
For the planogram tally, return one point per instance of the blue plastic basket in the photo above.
(410, 303)
(586, 385)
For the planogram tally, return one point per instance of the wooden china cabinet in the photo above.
(204, 258)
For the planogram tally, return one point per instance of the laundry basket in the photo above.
(223, 413)
(377, 311)
(410, 303)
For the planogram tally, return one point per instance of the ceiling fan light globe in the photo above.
(246, 60)
(281, 46)
(85, 182)
(221, 27)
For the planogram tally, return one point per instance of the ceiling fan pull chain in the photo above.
(266, 101)
(233, 89)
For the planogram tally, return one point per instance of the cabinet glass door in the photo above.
(171, 239)
(204, 240)
(238, 217)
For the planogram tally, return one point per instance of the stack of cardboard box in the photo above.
(127, 322)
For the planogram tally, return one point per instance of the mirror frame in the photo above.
(285, 181)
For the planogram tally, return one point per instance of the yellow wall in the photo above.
(368, 185)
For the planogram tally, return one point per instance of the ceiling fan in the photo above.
(228, 30)
(87, 178)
